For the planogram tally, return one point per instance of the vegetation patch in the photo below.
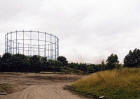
(7, 88)
(57, 77)
(113, 84)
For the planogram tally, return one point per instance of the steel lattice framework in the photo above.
(32, 43)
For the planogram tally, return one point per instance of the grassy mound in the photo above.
(114, 84)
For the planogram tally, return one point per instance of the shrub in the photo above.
(6, 62)
(54, 65)
(19, 62)
(35, 63)
(63, 60)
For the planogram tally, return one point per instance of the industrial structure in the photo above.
(32, 43)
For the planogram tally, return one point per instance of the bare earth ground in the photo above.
(39, 85)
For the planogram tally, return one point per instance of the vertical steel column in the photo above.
(18, 48)
(48, 51)
(11, 42)
(30, 43)
(45, 46)
(13, 47)
(51, 56)
(5, 43)
(16, 42)
(38, 45)
(28, 49)
(23, 43)
(57, 47)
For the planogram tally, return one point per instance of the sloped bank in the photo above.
(112, 84)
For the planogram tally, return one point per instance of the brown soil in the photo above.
(39, 85)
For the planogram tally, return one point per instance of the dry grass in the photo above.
(114, 84)
(7, 88)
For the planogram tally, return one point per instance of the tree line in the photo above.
(22, 63)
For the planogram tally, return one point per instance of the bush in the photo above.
(63, 60)
(35, 63)
(6, 62)
(54, 65)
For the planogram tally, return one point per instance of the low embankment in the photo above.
(112, 84)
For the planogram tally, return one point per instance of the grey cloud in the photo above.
(89, 30)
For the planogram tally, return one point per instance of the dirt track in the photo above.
(39, 86)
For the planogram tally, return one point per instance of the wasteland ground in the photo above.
(38, 85)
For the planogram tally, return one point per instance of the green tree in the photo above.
(63, 60)
(112, 61)
(132, 59)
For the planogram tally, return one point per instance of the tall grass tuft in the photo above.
(113, 84)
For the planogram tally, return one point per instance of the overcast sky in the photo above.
(89, 30)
